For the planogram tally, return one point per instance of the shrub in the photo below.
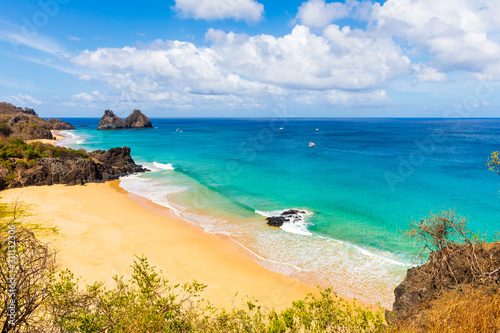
(10, 177)
(22, 163)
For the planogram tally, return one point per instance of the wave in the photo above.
(157, 193)
(298, 225)
(163, 166)
(70, 139)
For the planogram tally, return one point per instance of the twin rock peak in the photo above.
(136, 120)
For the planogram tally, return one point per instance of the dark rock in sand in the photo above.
(138, 120)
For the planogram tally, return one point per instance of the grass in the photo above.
(470, 310)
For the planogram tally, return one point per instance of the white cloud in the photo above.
(425, 73)
(341, 59)
(37, 42)
(455, 34)
(73, 38)
(341, 67)
(23, 100)
(318, 14)
(247, 10)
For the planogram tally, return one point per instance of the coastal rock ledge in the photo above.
(137, 119)
(100, 166)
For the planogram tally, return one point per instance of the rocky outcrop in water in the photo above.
(291, 215)
(138, 120)
(110, 121)
(445, 270)
(101, 166)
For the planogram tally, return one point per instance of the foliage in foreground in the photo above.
(148, 303)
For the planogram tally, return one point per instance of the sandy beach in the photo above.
(58, 136)
(101, 227)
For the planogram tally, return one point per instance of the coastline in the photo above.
(101, 227)
(57, 134)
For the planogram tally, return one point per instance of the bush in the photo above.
(10, 177)
(148, 303)
(22, 163)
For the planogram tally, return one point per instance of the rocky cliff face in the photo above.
(136, 120)
(103, 165)
(451, 267)
(25, 124)
(110, 121)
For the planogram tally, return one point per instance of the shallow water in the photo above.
(360, 185)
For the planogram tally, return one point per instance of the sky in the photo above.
(252, 58)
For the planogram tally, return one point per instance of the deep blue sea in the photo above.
(360, 186)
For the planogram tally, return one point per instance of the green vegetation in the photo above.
(493, 162)
(148, 303)
(26, 153)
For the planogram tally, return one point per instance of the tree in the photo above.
(493, 162)
(25, 267)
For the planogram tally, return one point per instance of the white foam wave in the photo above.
(298, 224)
(163, 166)
(147, 188)
(70, 139)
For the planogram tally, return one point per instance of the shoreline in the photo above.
(101, 227)
(56, 133)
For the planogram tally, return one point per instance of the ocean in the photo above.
(359, 186)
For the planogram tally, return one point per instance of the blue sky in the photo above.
(249, 58)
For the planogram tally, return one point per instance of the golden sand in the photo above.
(101, 227)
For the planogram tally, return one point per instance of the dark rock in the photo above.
(110, 121)
(293, 212)
(103, 165)
(290, 215)
(276, 221)
(138, 120)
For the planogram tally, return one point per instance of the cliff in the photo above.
(136, 119)
(451, 268)
(25, 123)
(73, 168)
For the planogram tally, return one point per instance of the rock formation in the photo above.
(291, 215)
(103, 165)
(25, 124)
(136, 120)
(445, 270)
(110, 121)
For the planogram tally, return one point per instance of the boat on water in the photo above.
(311, 144)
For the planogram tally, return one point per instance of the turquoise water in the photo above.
(360, 185)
